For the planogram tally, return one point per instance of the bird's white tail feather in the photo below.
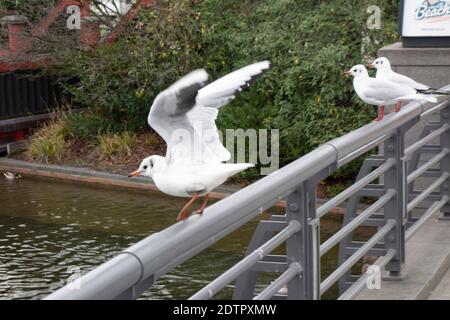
(418, 97)
(234, 168)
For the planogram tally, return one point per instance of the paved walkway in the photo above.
(427, 267)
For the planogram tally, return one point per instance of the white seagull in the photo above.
(382, 92)
(184, 116)
(384, 71)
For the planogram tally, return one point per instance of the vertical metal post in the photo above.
(445, 162)
(313, 236)
(295, 251)
(304, 246)
(395, 178)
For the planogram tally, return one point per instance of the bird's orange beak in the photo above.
(370, 66)
(347, 74)
(134, 174)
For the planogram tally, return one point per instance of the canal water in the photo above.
(50, 230)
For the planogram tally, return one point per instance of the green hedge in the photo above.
(310, 44)
(119, 81)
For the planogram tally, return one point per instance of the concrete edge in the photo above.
(89, 176)
(427, 290)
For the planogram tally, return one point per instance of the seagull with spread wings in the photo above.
(184, 116)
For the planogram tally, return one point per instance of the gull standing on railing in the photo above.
(184, 116)
(384, 71)
(382, 92)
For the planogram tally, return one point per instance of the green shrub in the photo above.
(336, 188)
(116, 145)
(86, 125)
(48, 143)
(310, 45)
(119, 82)
(150, 140)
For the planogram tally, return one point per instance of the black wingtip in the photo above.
(433, 91)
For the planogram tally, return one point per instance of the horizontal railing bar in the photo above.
(425, 193)
(352, 225)
(425, 140)
(371, 252)
(432, 173)
(273, 225)
(344, 267)
(427, 165)
(272, 289)
(361, 283)
(434, 196)
(363, 150)
(424, 218)
(358, 185)
(357, 244)
(231, 274)
(430, 149)
(433, 110)
(269, 266)
(275, 258)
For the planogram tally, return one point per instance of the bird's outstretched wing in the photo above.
(168, 117)
(217, 94)
(184, 114)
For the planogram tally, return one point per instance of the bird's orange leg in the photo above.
(398, 106)
(380, 113)
(184, 213)
(200, 211)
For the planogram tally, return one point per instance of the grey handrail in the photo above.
(152, 257)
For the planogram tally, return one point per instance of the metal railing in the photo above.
(134, 270)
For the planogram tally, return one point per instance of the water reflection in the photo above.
(49, 228)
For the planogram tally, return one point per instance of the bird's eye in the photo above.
(145, 167)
